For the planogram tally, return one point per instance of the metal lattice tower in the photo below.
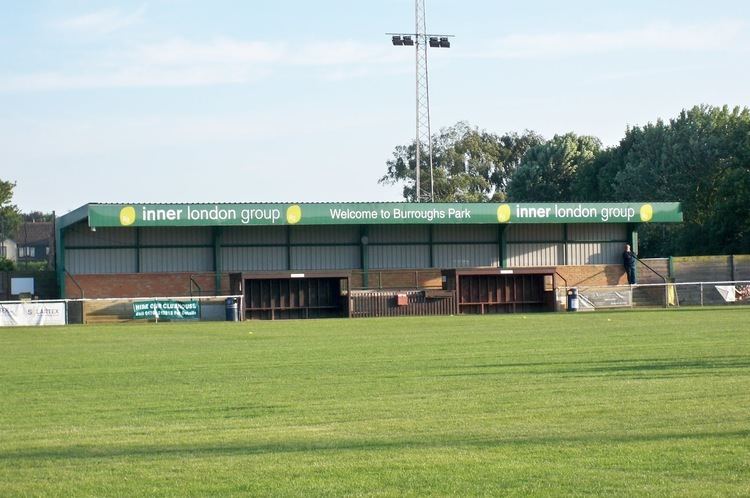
(423, 142)
(424, 132)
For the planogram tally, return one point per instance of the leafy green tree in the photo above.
(469, 165)
(10, 218)
(700, 158)
(547, 171)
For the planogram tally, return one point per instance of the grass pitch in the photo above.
(634, 403)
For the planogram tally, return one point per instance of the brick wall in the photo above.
(178, 284)
(592, 275)
(142, 285)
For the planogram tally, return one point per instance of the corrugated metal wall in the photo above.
(594, 253)
(81, 235)
(308, 234)
(465, 233)
(544, 245)
(535, 254)
(534, 245)
(254, 235)
(324, 258)
(182, 236)
(254, 258)
(466, 256)
(392, 257)
(84, 261)
(595, 244)
(109, 259)
(338, 247)
(177, 259)
(383, 234)
(534, 233)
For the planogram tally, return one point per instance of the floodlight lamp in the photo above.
(434, 42)
(444, 42)
(397, 40)
(408, 40)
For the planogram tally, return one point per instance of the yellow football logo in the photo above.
(293, 214)
(647, 212)
(127, 215)
(503, 213)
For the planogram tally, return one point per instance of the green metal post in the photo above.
(364, 240)
(432, 247)
(288, 247)
(502, 246)
(137, 250)
(217, 232)
(60, 260)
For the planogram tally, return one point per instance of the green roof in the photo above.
(358, 213)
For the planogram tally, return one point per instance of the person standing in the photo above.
(628, 261)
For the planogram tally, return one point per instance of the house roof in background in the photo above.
(35, 233)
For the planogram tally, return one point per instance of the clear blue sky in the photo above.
(187, 100)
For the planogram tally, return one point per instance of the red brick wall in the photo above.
(592, 275)
(142, 285)
(178, 284)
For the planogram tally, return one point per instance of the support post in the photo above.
(289, 248)
(502, 246)
(217, 232)
(364, 240)
(60, 263)
(137, 250)
(432, 246)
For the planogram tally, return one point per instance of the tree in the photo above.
(469, 165)
(700, 158)
(547, 171)
(10, 218)
(37, 216)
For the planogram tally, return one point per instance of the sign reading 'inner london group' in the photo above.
(163, 215)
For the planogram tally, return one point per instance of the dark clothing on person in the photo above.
(628, 261)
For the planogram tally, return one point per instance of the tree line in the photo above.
(700, 158)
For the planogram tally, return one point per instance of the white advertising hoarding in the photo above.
(32, 313)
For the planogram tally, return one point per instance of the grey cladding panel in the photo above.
(534, 233)
(176, 236)
(465, 233)
(594, 253)
(95, 261)
(81, 235)
(254, 235)
(597, 232)
(535, 254)
(325, 258)
(254, 258)
(176, 259)
(466, 256)
(379, 234)
(315, 234)
(402, 256)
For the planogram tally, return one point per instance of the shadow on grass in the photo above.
(217, 450)
(631, 367)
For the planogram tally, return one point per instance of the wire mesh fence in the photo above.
(664, 295)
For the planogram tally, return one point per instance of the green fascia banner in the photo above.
(384, 213)
(172, 310)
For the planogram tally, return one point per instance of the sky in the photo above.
(249, 101)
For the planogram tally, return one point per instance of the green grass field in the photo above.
(630, 403)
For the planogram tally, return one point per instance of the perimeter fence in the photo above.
(664, 295)
(154, 309)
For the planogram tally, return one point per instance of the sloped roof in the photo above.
(35, 233)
